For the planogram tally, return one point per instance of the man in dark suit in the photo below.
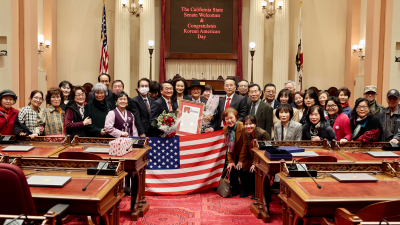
(270, 94)
(117, 87)
(140, 107)
(195, 91)
(231, 100)
(163, 103)
(261, 110)
(243, 88)
(105, 79)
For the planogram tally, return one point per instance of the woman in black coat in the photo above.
(74, 115)
(365, 126)
(97, 110)
(317, 128)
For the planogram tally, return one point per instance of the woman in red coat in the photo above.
(339, 122)
(7, 112)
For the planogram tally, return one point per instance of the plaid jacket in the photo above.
(30, 118)
(53, 121)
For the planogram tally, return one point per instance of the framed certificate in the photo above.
(190, 117)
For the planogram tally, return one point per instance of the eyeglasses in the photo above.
(254, 92)
(38, 99)
(331, 106)
(362, 107)
(242, 86)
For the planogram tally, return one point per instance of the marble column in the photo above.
(256, 35)
(280, 65)
(122, 46)
(147, 32)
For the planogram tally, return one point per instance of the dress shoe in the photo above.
(235, 191)
(244, 194)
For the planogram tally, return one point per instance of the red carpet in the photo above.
(205, 208)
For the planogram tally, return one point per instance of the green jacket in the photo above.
(375, 107)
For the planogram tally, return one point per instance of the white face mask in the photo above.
(144, 90)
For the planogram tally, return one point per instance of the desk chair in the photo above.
(388, 210)
(17, 198)
(321, 158)
(79, 155)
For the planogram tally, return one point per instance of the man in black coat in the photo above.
(195, 91)
(261, 110)
(231, 100)
(117, 87)
(163, 103)
(140, 107)
(105, 79)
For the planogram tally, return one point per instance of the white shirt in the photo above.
(148, 102)
(166, 101)
(226, 101)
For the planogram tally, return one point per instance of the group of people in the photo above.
(244, 115)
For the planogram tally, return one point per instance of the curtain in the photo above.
(239, 62)
(208, 69)
(162, 77)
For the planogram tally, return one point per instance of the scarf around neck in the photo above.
(314, 129)
(230, 138)
(332, 120)
(345, 105)
(6, 113)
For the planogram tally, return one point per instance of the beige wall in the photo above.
(324, 39)
(5, 44)
(78, 39)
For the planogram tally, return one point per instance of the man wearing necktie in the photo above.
(261, 110)
(231, 100)
(140, 107)
(161, 104)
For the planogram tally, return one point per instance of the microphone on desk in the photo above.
(319, 186)
(84, 189)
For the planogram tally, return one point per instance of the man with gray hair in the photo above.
(290, 85)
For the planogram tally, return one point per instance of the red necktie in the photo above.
(169, 106)
(147, 104)
(228, 103)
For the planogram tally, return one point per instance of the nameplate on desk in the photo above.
(304, 154)
(97, 150)
(15, 222)
(48, 181)
(354, 177)
(383, 154)
(16, 148)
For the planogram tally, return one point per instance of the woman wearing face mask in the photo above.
(120, 122)
(365, 126)
(310, 99)
(298, 101)
(7, 113)
(286, 129)
(74, 120)
(344, 95)
(28, 118)
(66, 88)
(53, 115)
(338, 121)
(234, 141)
(284, 97)
(180, 89)
(322, 98)
(317, 128)
(252, 135)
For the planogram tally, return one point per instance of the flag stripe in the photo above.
(186, 181)
(200, 159)
(150, 177)
(201, 149)
(184, 171)
(188, 165)
(201, 154)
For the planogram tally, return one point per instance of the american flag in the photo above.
(185, 165)
(104, 46)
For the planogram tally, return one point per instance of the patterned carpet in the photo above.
(205, 208)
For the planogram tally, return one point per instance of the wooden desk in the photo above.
(44, 146)
(266, 168)
(135, 165)
(101, 198)
(302, 201)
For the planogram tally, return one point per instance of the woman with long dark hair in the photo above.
(365, 126)
(180, 89)
(310, 99)
(66, 88)
(317, 128)
(339, 122)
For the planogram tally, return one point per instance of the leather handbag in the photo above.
(224, 186)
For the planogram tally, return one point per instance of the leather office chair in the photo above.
(79, 155)
(321, 158)
(17, 198)
(388, 210)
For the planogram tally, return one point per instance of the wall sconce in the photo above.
(3, 53)
(151, 49)
(134, 10)
(360, 48)
(46, 43)
(271, 9)
(252, 51)
(396, 59)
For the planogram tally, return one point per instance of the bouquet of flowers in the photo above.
(167, 122)
(210, 110)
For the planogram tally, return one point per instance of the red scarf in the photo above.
(5, 112)
(345, 104)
